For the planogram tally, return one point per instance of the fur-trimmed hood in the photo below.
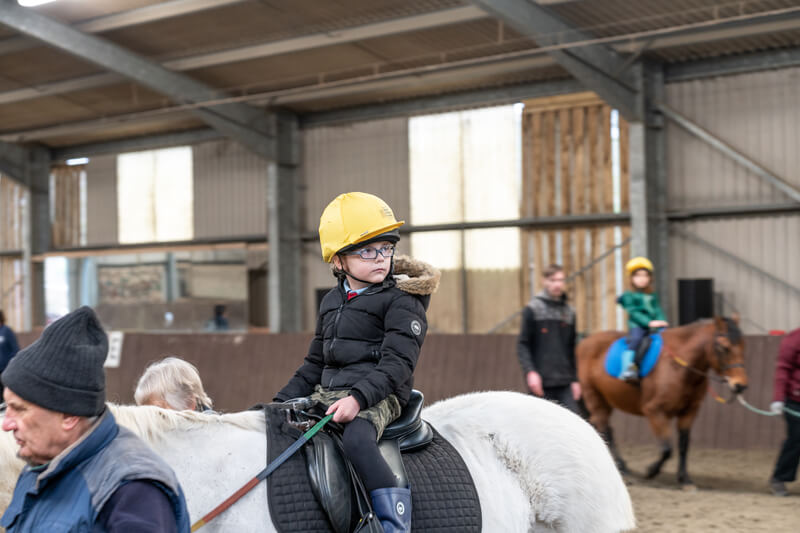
(414, 276)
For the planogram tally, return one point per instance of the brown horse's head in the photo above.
(727, 352)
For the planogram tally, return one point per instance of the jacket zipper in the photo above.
(336, 323)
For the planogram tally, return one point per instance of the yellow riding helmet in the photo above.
(352, 218)
(638, 263)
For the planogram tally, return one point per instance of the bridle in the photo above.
(733, 336)
(723, 352)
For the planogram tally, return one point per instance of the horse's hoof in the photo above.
(623, 469)
(689, 487)
(652, 472)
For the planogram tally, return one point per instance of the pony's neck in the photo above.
(696, 340)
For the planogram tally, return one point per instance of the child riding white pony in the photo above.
(536, 466)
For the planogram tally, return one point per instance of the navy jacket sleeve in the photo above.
(137, 507)
(310, 372)
(527, 338)
(13, 344)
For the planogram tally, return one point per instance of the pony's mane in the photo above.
(151, 423)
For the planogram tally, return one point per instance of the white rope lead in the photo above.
(762, 412)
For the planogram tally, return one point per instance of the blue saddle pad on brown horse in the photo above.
(614, 355)
(444, 499)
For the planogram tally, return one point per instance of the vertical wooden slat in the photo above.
(531, 139)
(598, 283)
(537, 164)
(579, 167)
(608, 175)
(547, 189)
(538, 239)
(592, 162)
(610, 297)
(624, 168)
(566, 149)
(579, 290)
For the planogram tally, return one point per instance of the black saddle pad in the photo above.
(444, 499)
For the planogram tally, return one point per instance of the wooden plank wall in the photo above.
(11, 215)
(11, 238)
(567, 170)
(66, 191)
(240, 370)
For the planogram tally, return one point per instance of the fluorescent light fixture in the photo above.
(77, 161)
(33, 3)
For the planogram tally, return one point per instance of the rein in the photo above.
(706, 374)
(288, 452)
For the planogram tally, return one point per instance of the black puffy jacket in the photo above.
(369, 344)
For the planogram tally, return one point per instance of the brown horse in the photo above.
(674, 388)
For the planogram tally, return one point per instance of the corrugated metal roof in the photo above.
(667, 30)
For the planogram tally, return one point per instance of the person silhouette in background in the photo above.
(8, 346)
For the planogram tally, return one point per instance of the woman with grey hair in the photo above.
(172, 383)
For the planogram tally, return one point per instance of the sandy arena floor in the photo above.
(732, 494)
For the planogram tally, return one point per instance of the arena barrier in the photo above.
(242, 369)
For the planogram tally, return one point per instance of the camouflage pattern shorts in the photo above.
(379, 415)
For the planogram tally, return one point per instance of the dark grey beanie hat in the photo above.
(63, 370)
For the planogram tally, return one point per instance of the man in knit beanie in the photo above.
(75, 451)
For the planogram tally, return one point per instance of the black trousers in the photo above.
(359, 440)
(789, 458)
(563, 396)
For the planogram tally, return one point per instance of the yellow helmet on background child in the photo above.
(638, 263)
(354, 218)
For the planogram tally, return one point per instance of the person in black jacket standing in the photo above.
(361, 361)
(546, 347)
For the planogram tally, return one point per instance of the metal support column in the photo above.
(648, 191)
(285, 295)
(37, 175)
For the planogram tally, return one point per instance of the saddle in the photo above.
(333, 480)
(650, 347)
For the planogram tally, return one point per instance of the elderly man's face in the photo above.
(41, 434)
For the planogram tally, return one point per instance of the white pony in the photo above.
(537, 467)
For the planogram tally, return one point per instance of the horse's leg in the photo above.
(659, 423)
(608, 436)
(683, 449)
(600, 416)
(684, 428)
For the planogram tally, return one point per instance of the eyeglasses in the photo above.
(372, 253)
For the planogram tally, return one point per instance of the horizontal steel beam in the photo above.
(112, 248)
(754, 210)
(135, 144)
(12, 253)
(728, 65)
(597, 66)
(595, 219)
(247, 125)
(559, 221)
(462, 70)
(271, 48)
(126, 19)
(440, 104)
(741, 26)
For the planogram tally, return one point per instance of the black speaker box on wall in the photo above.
(695, 299)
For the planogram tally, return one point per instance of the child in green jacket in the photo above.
(644, 314)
